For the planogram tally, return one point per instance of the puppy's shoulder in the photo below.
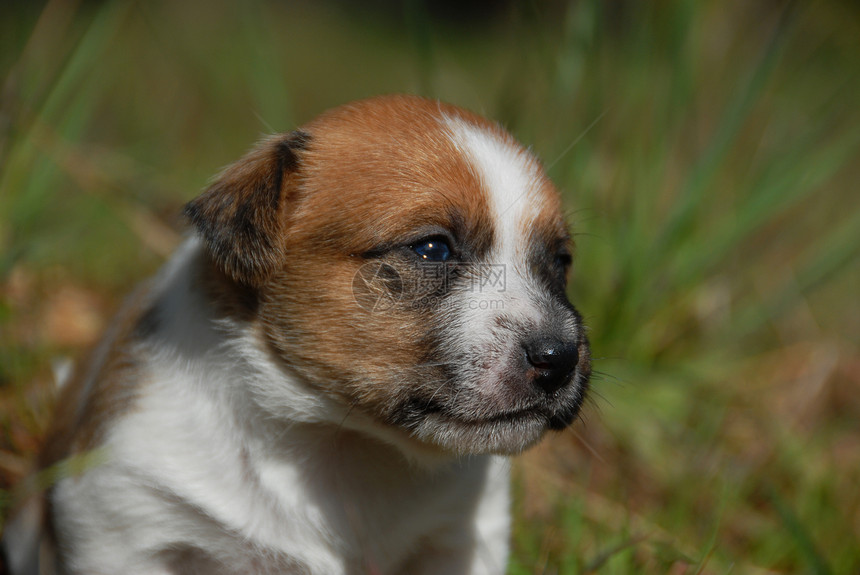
(171, 315)
(104, 385)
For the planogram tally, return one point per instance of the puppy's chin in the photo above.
(508, 435)
(504, 434)
(470, 426)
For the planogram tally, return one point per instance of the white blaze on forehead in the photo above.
(510, 177)
(512, 180)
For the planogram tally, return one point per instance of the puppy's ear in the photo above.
(240, 216)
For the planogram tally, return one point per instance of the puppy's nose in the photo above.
(554, 361)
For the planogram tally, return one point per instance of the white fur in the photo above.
(511, 178)
(199, 462)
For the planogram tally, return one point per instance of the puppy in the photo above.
(327, 375)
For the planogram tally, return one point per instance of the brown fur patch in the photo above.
(388, 161)
(227, 297)
(375, 175)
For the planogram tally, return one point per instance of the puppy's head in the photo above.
(409, 262)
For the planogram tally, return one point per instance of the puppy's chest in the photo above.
(347, 519)
(318, 501)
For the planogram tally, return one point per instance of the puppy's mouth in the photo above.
(505, 434)
(536, 414)
(469, 426)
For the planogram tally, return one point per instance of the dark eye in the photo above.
(563, 260)
(432, 250)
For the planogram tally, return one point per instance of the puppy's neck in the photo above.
(204, 315)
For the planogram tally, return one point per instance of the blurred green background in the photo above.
(709, 154)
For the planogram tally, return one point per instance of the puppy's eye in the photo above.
(563, 260)
(432, 250)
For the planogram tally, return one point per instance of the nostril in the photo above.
(554, 360)
(552, 354)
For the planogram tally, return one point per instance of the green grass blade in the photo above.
(800, 534)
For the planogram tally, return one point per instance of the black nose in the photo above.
(554, 361)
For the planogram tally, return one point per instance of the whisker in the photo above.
(581, 438)
(576, 141)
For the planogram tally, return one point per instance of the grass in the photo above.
(708, 153)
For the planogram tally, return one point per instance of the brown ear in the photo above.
(239, 216)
